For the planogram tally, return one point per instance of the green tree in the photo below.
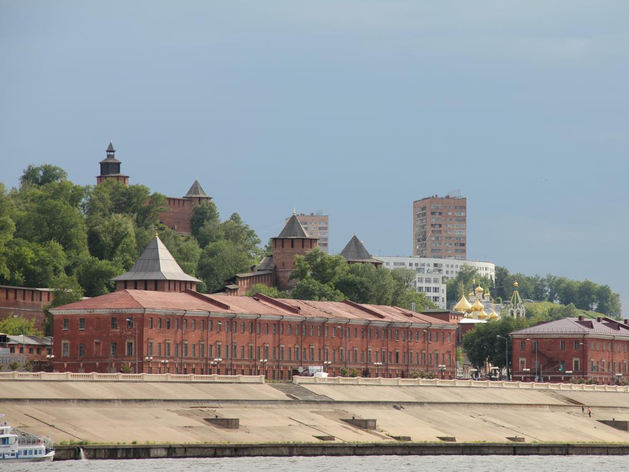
(96, 275)
(320, 266)
(42, 175)
(66, 290)
(33, 264)
(17, 325)
(206, 212)
(264, 290)
(311, 289)
(220, 261)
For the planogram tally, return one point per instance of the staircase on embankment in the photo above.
(297, 392)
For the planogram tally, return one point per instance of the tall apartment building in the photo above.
(317, 226)
(440, 227)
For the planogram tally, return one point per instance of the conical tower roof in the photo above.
(354, 251)
(110, 148)
(196, 190)
(110, 155)
(294, 229)
(156, 263)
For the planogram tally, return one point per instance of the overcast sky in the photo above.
(355, 108)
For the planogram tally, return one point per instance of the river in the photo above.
(342, 464)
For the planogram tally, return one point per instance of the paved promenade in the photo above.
(121, 411)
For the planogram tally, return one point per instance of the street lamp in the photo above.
(507, 353)
(164, 364)
(149, 359)
(473, 372)
(377, 364)
(442, 369)
(216, 362)
(263, 364)
(326, 364)
(49, 358)
(537, 376)
(135, 345)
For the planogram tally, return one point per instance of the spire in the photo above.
(294, 229)
(294, 210)
(110, 148)
(196, 190)
(156, 263)
(354, 251)
(515, 306)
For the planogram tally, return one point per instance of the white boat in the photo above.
(20, 446)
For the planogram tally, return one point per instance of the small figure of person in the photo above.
(583, 410)
(589, 412)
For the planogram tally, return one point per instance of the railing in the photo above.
(101, 377)
(459, 383)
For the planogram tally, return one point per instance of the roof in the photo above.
(259, 305)
(294, 229)
(39, 289)
(196, 190)
(354, 251)
(156, 263)
(266, 264)
(110, 148)
(577, 326)
(30, 340)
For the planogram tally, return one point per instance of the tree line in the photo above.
(584, 295)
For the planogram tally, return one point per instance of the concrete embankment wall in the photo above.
(289, 450)
(175, 413)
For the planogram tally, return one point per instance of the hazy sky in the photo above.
(355, 108)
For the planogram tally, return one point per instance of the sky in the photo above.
(355, 108)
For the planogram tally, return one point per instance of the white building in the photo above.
(433, 274)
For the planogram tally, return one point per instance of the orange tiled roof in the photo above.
(259, 305)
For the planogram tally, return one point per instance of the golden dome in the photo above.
(515, 284)
(463, 305)
(493, 315)
(478, 306)
(482, 315)
(470, 295)
(479, 289)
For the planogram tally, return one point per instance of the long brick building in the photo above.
(169, 327)
(558, 351)
(25, 302)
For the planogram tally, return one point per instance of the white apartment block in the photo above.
(433, 274)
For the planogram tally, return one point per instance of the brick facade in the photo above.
(25, 302)
(250, 329)
(593, 354)
(284, 252)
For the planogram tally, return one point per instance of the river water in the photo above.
(342, 464)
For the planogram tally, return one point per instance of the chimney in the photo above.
(626, 321)
(581, 318)
(599, 319)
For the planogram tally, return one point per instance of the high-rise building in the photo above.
(440, 227)
(317, 226)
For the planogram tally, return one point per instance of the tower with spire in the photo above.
(355, 252)
(157, 270)
(292, 241)
(110, 168)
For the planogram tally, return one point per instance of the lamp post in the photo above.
(506, 353)
(537, 376)
(217, 362)
(149, 359)
(135, 344)
(377, 364)
(164, 365)
(50, 358)
(263, 364)
(442, 369)
(472, 372)
(326, 364)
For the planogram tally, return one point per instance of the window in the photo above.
(66, 323)
(562, 344)
(129, 348)
(159, 323)
(522, 345)
(167, 323)
(522, 363)
(129, 322)
(576, 345)
(113, 349)
(81, 323)
(575, 365)
(150, 323)
(81, 350)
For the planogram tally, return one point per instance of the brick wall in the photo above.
(190, 343)
(26, 302)
(284, 252)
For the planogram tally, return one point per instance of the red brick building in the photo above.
(187, 332)
(26, 302)
(558, 351)
(178, 211)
